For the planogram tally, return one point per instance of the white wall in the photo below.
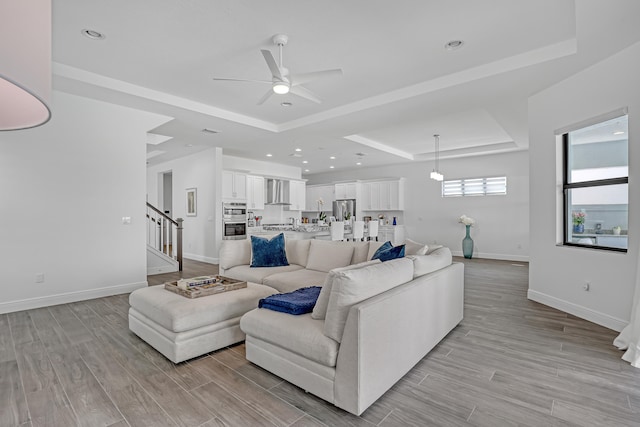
(502, 229)
(195, 171)
(557, 273)
(65, 187)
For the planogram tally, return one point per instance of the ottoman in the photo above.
(182, 328)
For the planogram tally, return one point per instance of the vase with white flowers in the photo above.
(467, 242)
(321, 215)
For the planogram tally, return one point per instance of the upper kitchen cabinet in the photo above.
(387, 195)
(255, 192)
(297, 195)
(317, 192)
(234, 186)
(346, 190)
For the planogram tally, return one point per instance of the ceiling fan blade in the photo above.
(242, 80)
(265, 97)
(305, 93)
(273, 66)
(300, 79)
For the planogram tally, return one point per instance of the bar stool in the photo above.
(373, 230)
(337, 230)
(358, 230)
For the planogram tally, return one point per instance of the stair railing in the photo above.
(164, 233)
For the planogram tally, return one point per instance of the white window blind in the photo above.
(475, 187)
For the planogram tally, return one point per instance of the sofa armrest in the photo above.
(386, 335)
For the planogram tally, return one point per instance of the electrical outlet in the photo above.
(586, 287)
(40, 278)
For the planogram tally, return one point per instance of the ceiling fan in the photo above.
(281, 81)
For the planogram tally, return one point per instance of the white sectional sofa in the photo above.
(372, 323)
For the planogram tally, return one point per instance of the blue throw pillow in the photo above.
(384, 247)
(390, 253)
(268, 252)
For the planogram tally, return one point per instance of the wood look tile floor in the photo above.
(511, 362)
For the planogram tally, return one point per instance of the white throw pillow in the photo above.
(353, 286)
(414, 248)
(325, 255)
(320, 309)
(424, 264)
(235, 252)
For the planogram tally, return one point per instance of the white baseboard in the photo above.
(578, 310)
(504, 257)
(201, 258)
(45, 301)
(161, 270)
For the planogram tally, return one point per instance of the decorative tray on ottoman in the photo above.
(204, 285)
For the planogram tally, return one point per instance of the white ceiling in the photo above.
(399, 85)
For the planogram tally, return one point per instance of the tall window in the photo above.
(596, 185)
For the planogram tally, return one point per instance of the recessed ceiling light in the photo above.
(332, 157)
(619, 133)
(298, 149)
(331, 167)
(454, 44)
(359, 163)
(305, 161)
(306, 170)
(189, 145)
(269, 155)
(93, 34)
(286, 104)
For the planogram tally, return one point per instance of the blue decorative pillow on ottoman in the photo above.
(387, 252)
(268, 252)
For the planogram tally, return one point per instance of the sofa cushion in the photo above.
(388, 253)
(424, 264)
(353, 286)
(257, 274)
(298, 334)
(326, 255)
(415, 248)
(373, 247)
(235, 252)
(268, 252)
(292, 280)
(360, 252)
(297, 251)
(433, 248)
(320, 309)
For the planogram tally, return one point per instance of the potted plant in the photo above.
(578, 221)
(616, 230)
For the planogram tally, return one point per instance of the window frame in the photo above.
(566, 186)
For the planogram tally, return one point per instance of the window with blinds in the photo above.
(475, 187)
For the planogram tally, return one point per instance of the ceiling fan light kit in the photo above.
(281, 81)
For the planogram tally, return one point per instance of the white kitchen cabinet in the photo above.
(234, 186)
(297, 195)
(255, 192)
(346, 190)
(387, 195)
(315, 192)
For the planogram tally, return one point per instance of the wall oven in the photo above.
(234, 221)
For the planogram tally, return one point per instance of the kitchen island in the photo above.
(301, 232)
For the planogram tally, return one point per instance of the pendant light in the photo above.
(435, 174)
(25, 68)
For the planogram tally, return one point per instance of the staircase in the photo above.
(164, 242)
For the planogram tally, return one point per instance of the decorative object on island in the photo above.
(467, 242)
(435, 174)
(616, 230)
(578, 221)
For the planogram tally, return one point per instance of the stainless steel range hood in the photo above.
(277, 192)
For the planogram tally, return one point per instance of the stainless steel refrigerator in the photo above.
(344, 209)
